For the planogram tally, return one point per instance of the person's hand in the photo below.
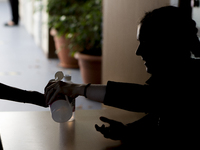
(115, 131)
(53, 89)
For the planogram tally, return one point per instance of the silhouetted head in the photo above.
(167, 39)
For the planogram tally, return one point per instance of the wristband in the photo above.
(85, 90)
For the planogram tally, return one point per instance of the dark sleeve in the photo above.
(128, 96)
(11, 93)
(19, 95)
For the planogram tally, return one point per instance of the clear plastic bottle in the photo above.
(61, 109)
(68, 79)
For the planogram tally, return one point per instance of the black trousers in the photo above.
(15, 10)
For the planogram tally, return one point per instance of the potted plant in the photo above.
(62, 15)
(86, 38)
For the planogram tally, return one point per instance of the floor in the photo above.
(24, 65)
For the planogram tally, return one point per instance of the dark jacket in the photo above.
(171, 101)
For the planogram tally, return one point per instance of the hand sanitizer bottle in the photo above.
(61, 109)
(68, 80)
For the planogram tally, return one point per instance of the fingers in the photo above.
(51, 92)
(104, 119)
(52, 97)
(49, 86)
(103, 130)
(53, 89)
(99, 128)
(114, 131)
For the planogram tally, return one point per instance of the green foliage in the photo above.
(80, 21)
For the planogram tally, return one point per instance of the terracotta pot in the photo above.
(90, 67)
(63, 52)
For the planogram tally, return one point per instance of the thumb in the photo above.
(97, 127)
(104, 119)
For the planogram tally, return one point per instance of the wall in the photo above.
(174, 2)
(34, 18)
(31, 18)
(120, 21)
(195, 16)
(45, 30)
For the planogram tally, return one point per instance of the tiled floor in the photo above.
(24, 65)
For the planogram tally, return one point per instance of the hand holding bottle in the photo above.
(61, 109)
(55, 88)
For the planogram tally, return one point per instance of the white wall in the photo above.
(35, 20)
(45, 29)
(196, 15)
(26, 14)
(174, 2)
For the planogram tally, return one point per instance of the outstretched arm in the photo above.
(128, 96)
(19, 95)
(95, 92)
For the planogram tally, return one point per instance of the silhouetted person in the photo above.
(168, 40)
(14, 4)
